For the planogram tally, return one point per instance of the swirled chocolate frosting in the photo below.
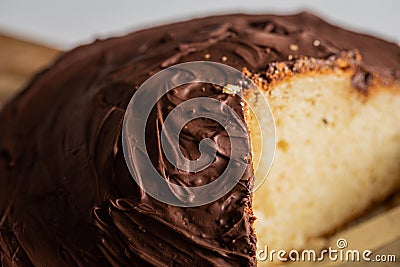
(66, 195)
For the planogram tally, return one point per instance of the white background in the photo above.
(65, 24)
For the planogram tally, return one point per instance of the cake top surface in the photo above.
(66, 195)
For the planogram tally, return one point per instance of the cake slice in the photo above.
(338, 148)
(67, 197)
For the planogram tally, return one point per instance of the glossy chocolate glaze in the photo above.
(66, 195)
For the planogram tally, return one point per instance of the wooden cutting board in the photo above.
(19, 60)
(378, 231)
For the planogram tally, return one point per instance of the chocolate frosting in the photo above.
(66, 195)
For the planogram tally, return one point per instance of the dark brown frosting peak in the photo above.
(66, 195)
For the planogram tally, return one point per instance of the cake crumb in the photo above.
(293, 47)
(316, 42)
(231, 89)
(247, 157)
(207, 56)
(224, 58)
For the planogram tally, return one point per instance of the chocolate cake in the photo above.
(67, 197)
